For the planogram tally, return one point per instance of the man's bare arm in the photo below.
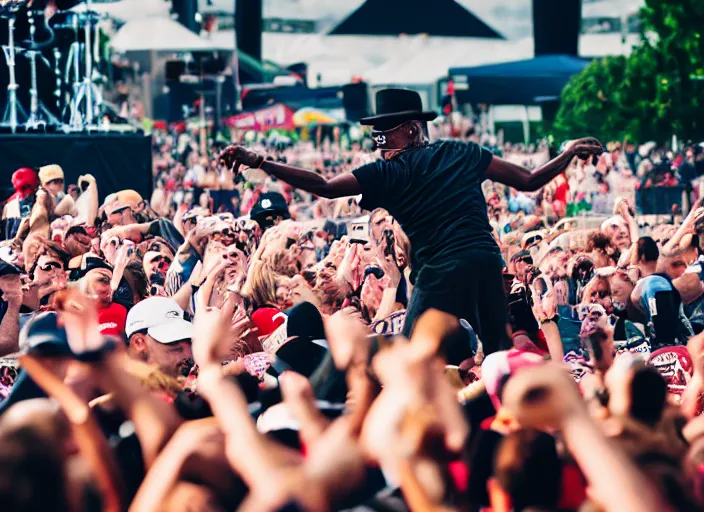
(521, 178)
(10, 325)
(340, 186)
(10, 329)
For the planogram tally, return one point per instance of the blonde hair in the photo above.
(260, 287)
(280, 263)
(151, 378)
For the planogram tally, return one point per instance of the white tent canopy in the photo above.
(430, 62)
(127, 10)
(158, 34)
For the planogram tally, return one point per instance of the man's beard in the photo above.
(185, 366)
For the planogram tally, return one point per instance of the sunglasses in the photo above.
(602, 294)
(119, 210)
(47, 267)
(533, 240)
(57, 181)
(162, 259)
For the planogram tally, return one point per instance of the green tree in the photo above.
(673, 40)
(589, 101)
(654, 93)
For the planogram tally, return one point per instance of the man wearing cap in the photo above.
(19, 206)
(434, 191)
(52, 180)
(159, 335)
(118, 207)
(95, 278)
(119, 211)
(269, 210)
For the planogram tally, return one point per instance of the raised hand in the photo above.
(585, 148)
(11, 287)
(122, 258)
(213, 331)
(235, 156)
(78, 313)
(542, 397)
(391, 270)
(347, 338)
(695, 388)
(298, 395)
(545, 306)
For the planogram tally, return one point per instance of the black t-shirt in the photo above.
(435, 193)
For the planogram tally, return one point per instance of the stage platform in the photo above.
(118, 161)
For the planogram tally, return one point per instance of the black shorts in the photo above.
(470, 288)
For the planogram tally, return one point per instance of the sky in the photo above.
(512, 18)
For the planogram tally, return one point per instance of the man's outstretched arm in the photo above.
(339, 186)
(521, 178)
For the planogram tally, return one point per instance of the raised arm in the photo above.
(521, 178)
(340, 186)
(11, 289)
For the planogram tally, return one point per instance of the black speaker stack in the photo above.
(556, 27)
(248, 27)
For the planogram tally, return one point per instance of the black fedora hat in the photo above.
(395, 106)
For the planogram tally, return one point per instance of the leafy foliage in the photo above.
(654, 93)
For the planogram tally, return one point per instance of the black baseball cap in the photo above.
(88, 263)
(270, 204)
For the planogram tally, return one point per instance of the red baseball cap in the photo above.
(25, 180)
(112, 320)
(267, 320)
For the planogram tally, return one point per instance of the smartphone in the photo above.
(359, 231)
(375, 271)
(390, 249)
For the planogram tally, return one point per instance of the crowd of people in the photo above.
(233, 342)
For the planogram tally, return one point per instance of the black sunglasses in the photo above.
(51, 265)
(533, 240)
(602, 294)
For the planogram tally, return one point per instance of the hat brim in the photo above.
(398, 117)
(261, 214)
(176, 330)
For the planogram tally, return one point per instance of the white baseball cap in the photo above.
(162, 318)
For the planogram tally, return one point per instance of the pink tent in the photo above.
(277, 116)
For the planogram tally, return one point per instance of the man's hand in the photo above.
(11, 287)
(391, 270)
(545, 304)
(585, 148)
(234, 156)
(542, 397)
(213, 328)
(132, 232)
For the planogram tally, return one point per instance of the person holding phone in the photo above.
(434, 192)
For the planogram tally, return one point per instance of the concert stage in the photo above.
(118, 161)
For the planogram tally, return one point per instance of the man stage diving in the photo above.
(434, 192)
